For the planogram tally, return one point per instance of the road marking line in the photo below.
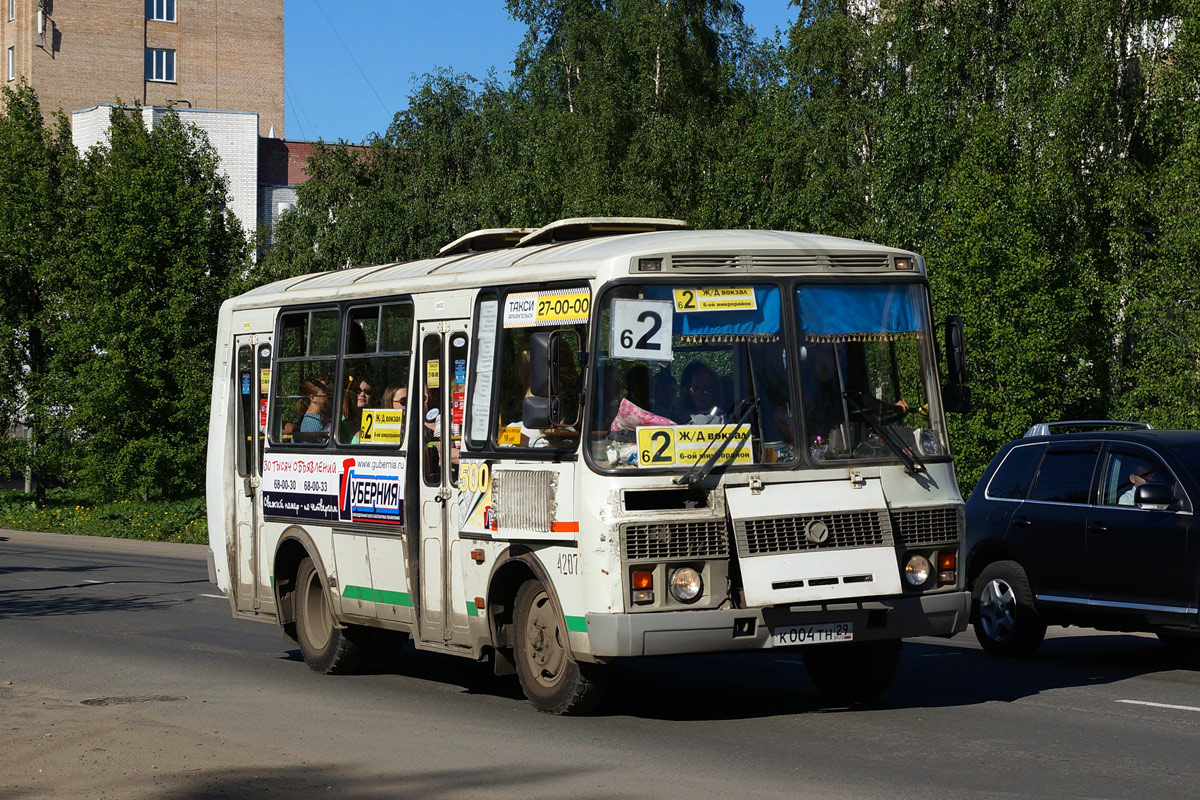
(1159, 705)
(222, 597)
(85, 580)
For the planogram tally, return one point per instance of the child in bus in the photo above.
(313, 406)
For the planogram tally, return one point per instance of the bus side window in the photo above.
(374, 385)
(431, 409)
(302, 402)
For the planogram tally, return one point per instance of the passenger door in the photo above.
(1136, 557)
(252, 387)
(1048, 530)
(441, 365)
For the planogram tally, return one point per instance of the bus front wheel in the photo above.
(326, 647)
(551, 678)
(854, 672)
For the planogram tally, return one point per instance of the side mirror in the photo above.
(543, 364)
(956, 395)
(1153, 497)
(539, 413)
(553, 390)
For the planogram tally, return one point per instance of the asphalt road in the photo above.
(123, 674)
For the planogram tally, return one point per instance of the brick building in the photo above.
(212, 54)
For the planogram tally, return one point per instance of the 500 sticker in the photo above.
(474, 477)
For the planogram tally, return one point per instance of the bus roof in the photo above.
(706, 252)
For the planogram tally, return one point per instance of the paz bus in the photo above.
(553, 448)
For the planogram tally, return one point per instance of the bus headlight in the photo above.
(686, 584)
(917, 570)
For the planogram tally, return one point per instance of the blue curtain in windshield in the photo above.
(758, 323)
(859, 313)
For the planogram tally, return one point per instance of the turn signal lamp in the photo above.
(904, 263)
(643, 586)
(650, 265)
(947, 564)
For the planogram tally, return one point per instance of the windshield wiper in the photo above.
(912, 463)
(704, 466)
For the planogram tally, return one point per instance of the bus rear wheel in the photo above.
(326, 647)
(551, 678)
(854, 672)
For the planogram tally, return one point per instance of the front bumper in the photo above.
(709, 631)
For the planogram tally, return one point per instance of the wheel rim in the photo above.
(544, 650)
(997, 610)
(315, 620)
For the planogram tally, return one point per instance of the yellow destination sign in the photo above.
(684, 445)
(380, 426)
(728, 298)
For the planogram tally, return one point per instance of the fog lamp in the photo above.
(917, 570)
(686, 584)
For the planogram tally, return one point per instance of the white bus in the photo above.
(604, 438)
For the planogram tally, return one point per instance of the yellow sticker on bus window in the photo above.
(727, 298)
(264, 382)
(510, 435)
(685, 445)
(433, 374)
(381, 426)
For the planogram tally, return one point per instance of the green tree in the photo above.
(152, 254)
(34, 173)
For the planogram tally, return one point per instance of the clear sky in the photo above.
(350, 64)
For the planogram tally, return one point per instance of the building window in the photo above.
(12, 63)
(156, 10)
(160, 65)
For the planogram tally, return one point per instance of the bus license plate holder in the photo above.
(819, 633)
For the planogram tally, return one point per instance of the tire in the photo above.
(327, 648)
(553, 681)
(1185, 648)
(854, 672)
(1006, 622)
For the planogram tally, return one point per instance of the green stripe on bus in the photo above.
(472, 611)
(577, 624)
(377, 596)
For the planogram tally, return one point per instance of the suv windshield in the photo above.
(866, 359)
(682, 368)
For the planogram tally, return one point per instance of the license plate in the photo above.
(792, 635)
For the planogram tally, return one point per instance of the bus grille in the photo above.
(658, 540)
(524, 499)
(777, 261)
(917, 526)
(797, 534)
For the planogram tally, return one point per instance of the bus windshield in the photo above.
(865, 362)
(685, 371)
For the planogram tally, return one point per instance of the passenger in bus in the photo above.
(666, 390)
(395, 398)
(358, 398)
(700, 395)
(634, 409)
(313, 406)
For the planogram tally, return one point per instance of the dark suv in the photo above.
(1094, 528)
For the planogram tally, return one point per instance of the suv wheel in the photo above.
(1006, 622)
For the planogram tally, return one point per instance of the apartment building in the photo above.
(210, 54)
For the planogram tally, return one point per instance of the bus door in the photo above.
(252, 388)
(441, 378)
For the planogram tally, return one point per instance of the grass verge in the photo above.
(68, 511)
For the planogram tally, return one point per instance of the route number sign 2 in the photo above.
(641, 329)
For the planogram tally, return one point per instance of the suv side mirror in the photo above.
(1153, 497)
(956, 395)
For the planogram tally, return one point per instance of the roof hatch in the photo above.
(486, 239)
(569, 230)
